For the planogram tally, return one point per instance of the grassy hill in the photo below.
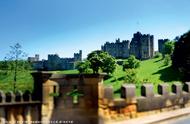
(152, 71)
(24, 81)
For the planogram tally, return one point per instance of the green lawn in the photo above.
(151, 71)
(66, 72)
(24, 81)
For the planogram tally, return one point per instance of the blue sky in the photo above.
(66, 26)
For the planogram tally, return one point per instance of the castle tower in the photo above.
(142, 46)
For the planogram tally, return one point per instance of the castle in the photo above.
(54, 62)
(161, 43)
(141, 46)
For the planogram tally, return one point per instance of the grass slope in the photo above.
(152, 71)
(24, 81)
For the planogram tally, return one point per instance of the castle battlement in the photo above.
(148, 101)
(141, 46)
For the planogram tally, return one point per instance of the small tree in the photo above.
(168, 47)
(157, 55)
(101, 60)
(167, 59)
(131, 63)
(131, 76)
(83, 66)
(109, 64)
(14, 58)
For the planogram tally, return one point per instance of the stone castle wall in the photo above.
(50, 100)
(141, 46)
(132, 106)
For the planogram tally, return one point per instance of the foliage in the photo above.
(14, 62)
(101, 60)
(167, 60)
(168, 47)
(109, 64)
(83, 66)
(157, 55)
(131, 76)
(152, 70)
(131, 63)
(54, 94)
(181, 55)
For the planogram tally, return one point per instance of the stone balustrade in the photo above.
(132, 105)
(18, 97)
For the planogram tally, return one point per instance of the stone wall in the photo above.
(132, 106)
(64, 107)
(18, 108)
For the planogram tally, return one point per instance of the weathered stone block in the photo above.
(186, 87)
(147, 90)
(119, 103)
(108, 93)
(128, 91)
(2, 97)
(163, 89)
(177, 89)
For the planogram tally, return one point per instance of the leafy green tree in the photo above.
(101, 60)
(131, 63)
(15, 61)
(167, 60)
(157, 55)
(181, 55)
(109, 64)
(169, 47)
(131, 76)
(83, 66)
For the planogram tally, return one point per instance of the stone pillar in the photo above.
(42, 89)
(11, 118)
(186, 87)
(100, 91)
(128, 92)
(163, 89)
(27, 114)
(177, 89)
(147, 90)
(39, 79)
(19, 116)
(2, 115)
(2, 97)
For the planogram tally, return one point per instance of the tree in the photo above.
(169, 47)
(109, 64)
(101, 60)
(83, 66)
(131, 63)
(167, 59)
(157, 55)
(130, 76)
(14, 58)
(181, 55)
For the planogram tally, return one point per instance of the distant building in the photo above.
(161, 43)
(54, 62)
(36, 58)
(117, 49)
(141, 46)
